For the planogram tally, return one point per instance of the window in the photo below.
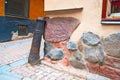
(17, 8)
(22, 30)
(111, 12)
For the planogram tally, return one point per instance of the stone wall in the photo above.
(91, 53)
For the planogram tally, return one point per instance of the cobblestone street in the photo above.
(14, 66)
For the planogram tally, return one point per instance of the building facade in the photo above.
(92, 14)
(17, 18)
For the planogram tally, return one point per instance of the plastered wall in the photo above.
(89, 16)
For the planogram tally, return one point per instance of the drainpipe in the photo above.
(34, 57)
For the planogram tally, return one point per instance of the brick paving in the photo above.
(13, 66)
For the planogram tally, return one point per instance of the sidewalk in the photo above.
(14, 66)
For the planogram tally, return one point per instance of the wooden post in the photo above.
(34, 57)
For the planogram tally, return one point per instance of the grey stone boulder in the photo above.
(55, 54)
(112, 45)
(94, 54)
(71, 45)
(90, 38)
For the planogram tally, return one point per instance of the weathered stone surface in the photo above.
(107, 71)
(77, 54)
(77, 60)
(47, 47)
(71, 45)
(94, 54)
(112, 61)
(112, 45)
(60, 28)
(77, 63)
(90, 38)
(55, 54)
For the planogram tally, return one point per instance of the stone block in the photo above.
(104, 70)
(60, 28)
(112, 61)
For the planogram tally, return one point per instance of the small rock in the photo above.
(55, 54)
(77, 54)
(72, 45)
(77, 63)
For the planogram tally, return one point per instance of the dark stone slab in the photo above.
(48, 47)
(60, 28)
(55, 54)
(112, 45)
(90, 38)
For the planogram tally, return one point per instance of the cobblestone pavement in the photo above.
(42, 72)
(14, 66)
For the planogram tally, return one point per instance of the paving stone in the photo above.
(4, 68)
(6, 77)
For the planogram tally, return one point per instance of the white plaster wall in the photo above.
(90, 17)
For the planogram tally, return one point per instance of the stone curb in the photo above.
(75, 72)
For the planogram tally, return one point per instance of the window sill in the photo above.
(110, 21)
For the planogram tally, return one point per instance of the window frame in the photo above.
(106, 20)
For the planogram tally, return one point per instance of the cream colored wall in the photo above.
(90, 17)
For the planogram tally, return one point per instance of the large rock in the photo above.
(60, 28)
(112, 45)
(92, 48)
(90, 38)
(55, 54)
(94, 54)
